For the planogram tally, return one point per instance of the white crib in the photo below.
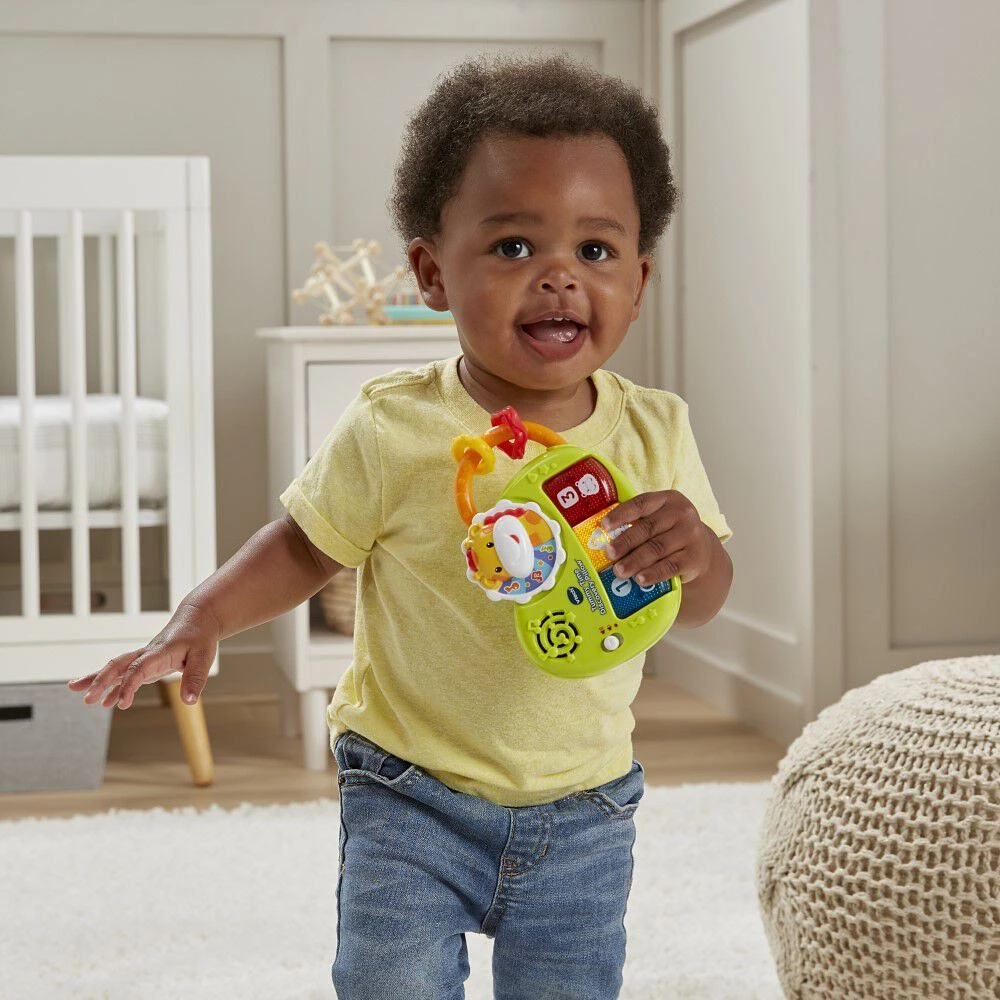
(106, 434)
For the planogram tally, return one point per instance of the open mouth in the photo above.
(552, 331)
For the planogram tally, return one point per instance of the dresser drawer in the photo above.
(330, 387)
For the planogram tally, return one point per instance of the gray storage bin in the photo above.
(50, 740)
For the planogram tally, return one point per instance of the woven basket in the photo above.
(338, 600)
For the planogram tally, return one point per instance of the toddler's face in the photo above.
(537, 258)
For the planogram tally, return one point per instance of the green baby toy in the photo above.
(542, 547)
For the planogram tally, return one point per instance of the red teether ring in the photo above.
(509, 417)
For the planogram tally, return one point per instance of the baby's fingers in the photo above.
(149, 666)
(111, 698)
(82, 683)
(96, 685)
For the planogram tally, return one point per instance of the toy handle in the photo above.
(471, 453)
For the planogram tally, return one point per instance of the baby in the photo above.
(478, 793)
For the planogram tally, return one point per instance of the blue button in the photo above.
(627, 596)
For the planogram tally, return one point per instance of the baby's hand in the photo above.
(188, 644)
(667, 538)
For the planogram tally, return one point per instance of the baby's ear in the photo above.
(422, 255)
(645, 272)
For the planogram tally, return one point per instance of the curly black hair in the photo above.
(536, 96)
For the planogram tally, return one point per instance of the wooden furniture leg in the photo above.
(193, 732)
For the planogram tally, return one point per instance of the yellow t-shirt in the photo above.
(438, 676)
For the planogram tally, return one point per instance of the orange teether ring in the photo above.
(470, 452)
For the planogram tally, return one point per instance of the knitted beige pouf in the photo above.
(878, 866)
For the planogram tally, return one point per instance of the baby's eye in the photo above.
(513, 249)
(594, 252)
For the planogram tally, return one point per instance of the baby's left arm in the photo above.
(668, 538)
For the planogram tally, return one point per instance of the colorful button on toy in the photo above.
(593, 538)
(627, 596)
(582, 490)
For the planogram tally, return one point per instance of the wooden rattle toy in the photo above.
(330, 278)
(541, 546)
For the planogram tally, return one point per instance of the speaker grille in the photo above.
(556, 635)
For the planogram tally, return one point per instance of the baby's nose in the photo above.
(556, 278)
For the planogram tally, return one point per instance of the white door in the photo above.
(921, 263)
(735, 82)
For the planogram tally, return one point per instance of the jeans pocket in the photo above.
(619, 799)
(360, 761)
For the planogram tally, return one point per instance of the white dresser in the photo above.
(312, 374)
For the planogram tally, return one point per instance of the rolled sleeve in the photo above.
(337, 498)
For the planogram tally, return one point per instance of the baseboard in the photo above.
(773, 713)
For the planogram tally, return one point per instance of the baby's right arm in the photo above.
(275, 570)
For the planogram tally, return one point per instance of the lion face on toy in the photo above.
(502, 546)
(480, 553)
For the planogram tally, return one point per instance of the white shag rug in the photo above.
(187, 905)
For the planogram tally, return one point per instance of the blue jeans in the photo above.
(421, 866)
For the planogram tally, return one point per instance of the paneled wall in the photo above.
(740, 313)
(299, 104)
(922, 333)
(830, 310)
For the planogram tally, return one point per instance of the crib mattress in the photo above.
(53, 415)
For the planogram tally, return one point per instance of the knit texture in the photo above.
(878, 863)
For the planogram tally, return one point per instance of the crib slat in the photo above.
(25, 298)
(176, 316)
(63, 267)
(105, 313)
(128, 448)
(71, 282)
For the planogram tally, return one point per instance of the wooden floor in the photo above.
(677, 738)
